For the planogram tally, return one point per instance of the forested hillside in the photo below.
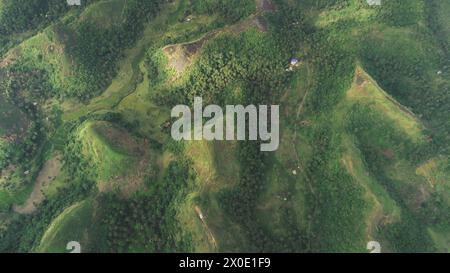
(86, 152)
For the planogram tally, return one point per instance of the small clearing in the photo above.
(209, 232)
(47, 174)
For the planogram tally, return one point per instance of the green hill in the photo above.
(364, 150)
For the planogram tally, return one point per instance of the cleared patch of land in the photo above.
(181, 56)
(49, 172)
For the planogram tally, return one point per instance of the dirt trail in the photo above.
(210, 234)
(300, 163)
(9, 57)
(50, 170)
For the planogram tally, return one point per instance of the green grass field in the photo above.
(74, 222)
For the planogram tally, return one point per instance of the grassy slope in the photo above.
(110, 160)
(366, 90)
(128, 93)
(81, 223)
(404, 60)
(284, 197)
(72, 223)
(104, 13)
(384, 209)
(272, 205)
(402, 189)
(217, 169)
